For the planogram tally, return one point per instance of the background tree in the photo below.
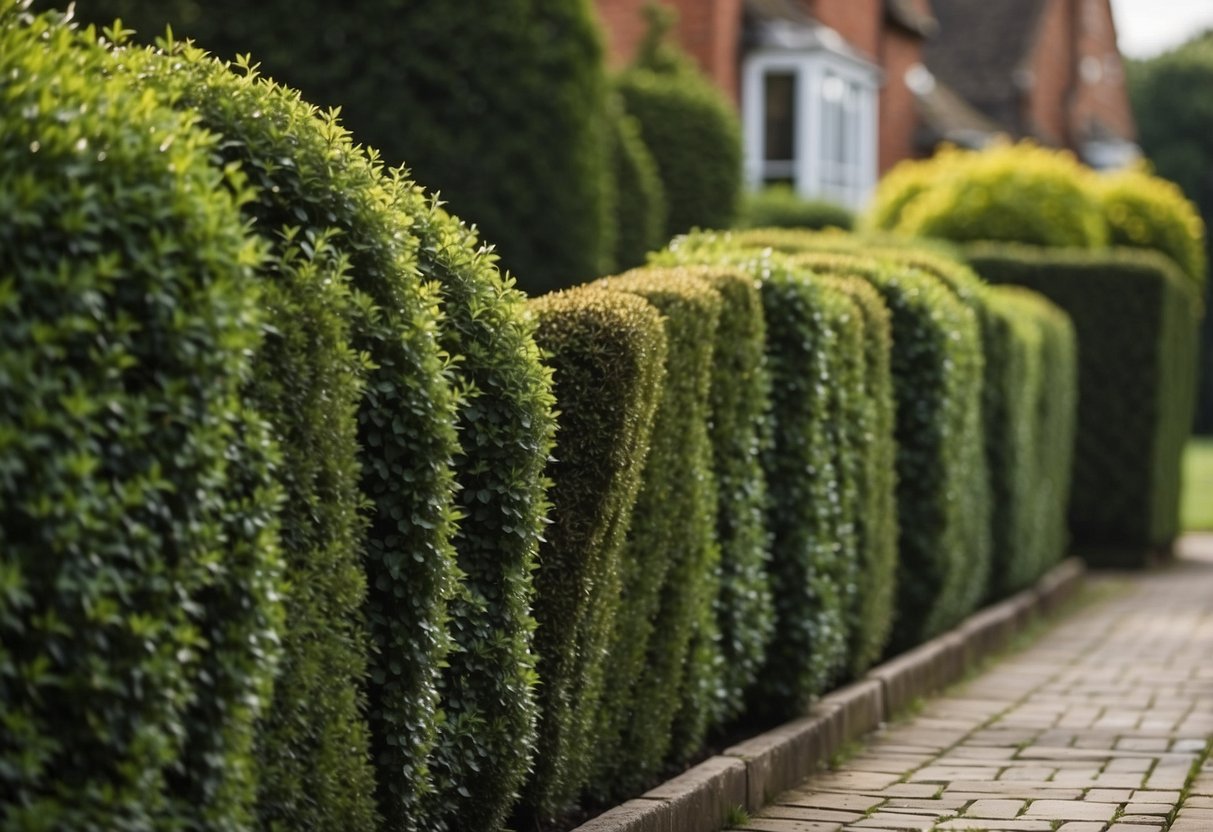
(500, 107)
(1175, 120)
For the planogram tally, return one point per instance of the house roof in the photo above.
(906, 14)
(785, 25)
(946, 117)
(980, 51)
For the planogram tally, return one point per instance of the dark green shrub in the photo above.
(640, 209)
(1144, 211)
(314, 184)
(740, 429)
(690, 129)
(670, 557)
(808, 567)
(514, 132)
(139, 569)
(1020, 193)
(1135, 393)
(505, 429)
(1047, 406)
(872, 419)
(607, 351)
(780, 207)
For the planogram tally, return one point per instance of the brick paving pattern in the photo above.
(1099, 726)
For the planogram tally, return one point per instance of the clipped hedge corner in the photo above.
(607, 351)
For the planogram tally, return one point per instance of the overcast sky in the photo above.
(1148, 27)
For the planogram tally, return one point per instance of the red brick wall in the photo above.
(858, 21)
(1052, 69)
(898, 113)
(1100, 92)
(623, 25)
(710, 30)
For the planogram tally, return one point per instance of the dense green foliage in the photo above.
(1012, 477)
(1037, 411)
(1020, 193)
(1147, 212)
(640, 207)
(808, 567)
(780, 207)
(671, 558)
(607, 351)
(500, 108)
(943, 508)
(405, 428)
(740, 431)
(1135, 393)
(140, 571)
(870, 608)
(505, 428)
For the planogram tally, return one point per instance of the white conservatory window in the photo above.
(809, 118)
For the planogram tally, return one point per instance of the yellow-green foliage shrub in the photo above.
(1145, 211)
(671, 556)
(607, 351)
(1020, 193)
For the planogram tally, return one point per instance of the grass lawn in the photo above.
(1197, 508)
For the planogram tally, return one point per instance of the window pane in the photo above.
(779, 127)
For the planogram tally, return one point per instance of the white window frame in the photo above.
(811, 69)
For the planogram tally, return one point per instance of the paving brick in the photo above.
(994, 809)
(1070, 810)
(829, 800)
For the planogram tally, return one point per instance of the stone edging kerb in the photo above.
(752, 773)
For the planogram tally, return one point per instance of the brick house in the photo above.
(833, 93)
(1045, 69)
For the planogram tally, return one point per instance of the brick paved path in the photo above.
(1097, 726)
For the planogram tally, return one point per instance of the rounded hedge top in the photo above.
(1021, 193)
(1145, 211)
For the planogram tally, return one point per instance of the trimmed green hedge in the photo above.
(140, 570)
(740, 432)
(936, 366)
(607, 351)
(1042, 417)
(670, 557)
(695, 139)
(1135, 393)
(872, 419)
(506, 431)
(640, 205)
(734, 627)
(808, 568)
(405, 430)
